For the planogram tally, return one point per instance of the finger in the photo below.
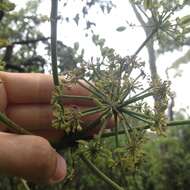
(31, 117)
(53, 135)
(3, 97)
(34, 87)
(35, 117)
(3, 102)
(30, 157)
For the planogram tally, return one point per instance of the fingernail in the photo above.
(60, 171)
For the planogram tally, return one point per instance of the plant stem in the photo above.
(136, 113)
(146, 41)
(100, 174)
(126, 131)
(97, 122)
(54, 7)
(134, 99)
(104, 124)
(97, 91)
(94, 92)
(10, 124)
(24, 183)
(116, 130)
(138, 116)
(171, 123)
(178, 122)
(92, 110)
(72, 97)
(146, 90)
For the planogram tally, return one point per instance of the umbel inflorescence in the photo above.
(116, 86)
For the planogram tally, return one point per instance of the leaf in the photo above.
(148, 4)
(182, 60)
(76, 46)
(185, 21)
(84, 11)
(121, 28)
(89, 24)
(82, 142)
(186, 30)
(7, 6)
(3, 42)
(76, 19)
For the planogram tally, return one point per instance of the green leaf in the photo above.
(76, 46)
(148, 4)
(182, 60)
(121, 28)
(185, 21)
(3, 42)
(186, 30)
(7, 6)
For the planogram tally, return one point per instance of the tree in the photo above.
(18, 29)
(171, 34)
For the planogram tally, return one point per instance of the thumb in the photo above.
(30, 157)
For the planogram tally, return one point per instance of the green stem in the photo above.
(134, 99)
(171, 123)
(54, 7)
(97, 91)
(141, 119)
(91, 111)
(90, 90)
(100, 174)
(72, 97)
(178, 122)
(121, 68)
(97, 122)
(25, 185)
(146, 41)
(116, 130)
(10, 124)
(139, 94)
(111, 134)
(66, 143)
(126, 131)
(104, 124)
(138, 116)
(171, 12)
(136, 113)
(126, 93)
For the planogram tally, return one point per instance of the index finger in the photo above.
(26, 88)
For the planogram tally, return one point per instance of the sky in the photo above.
(125, 43)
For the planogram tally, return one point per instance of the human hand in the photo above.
(25, 99)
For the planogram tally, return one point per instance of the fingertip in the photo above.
(60, 171)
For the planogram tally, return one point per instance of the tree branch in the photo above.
(31, 41)
(26, 42)
(138, 15)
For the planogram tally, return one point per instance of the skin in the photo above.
(25, 99)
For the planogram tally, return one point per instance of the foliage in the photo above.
(184, 59)
(18, 28)
(80, 16)
(6, 6)
(165, 166)
(174, 32)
